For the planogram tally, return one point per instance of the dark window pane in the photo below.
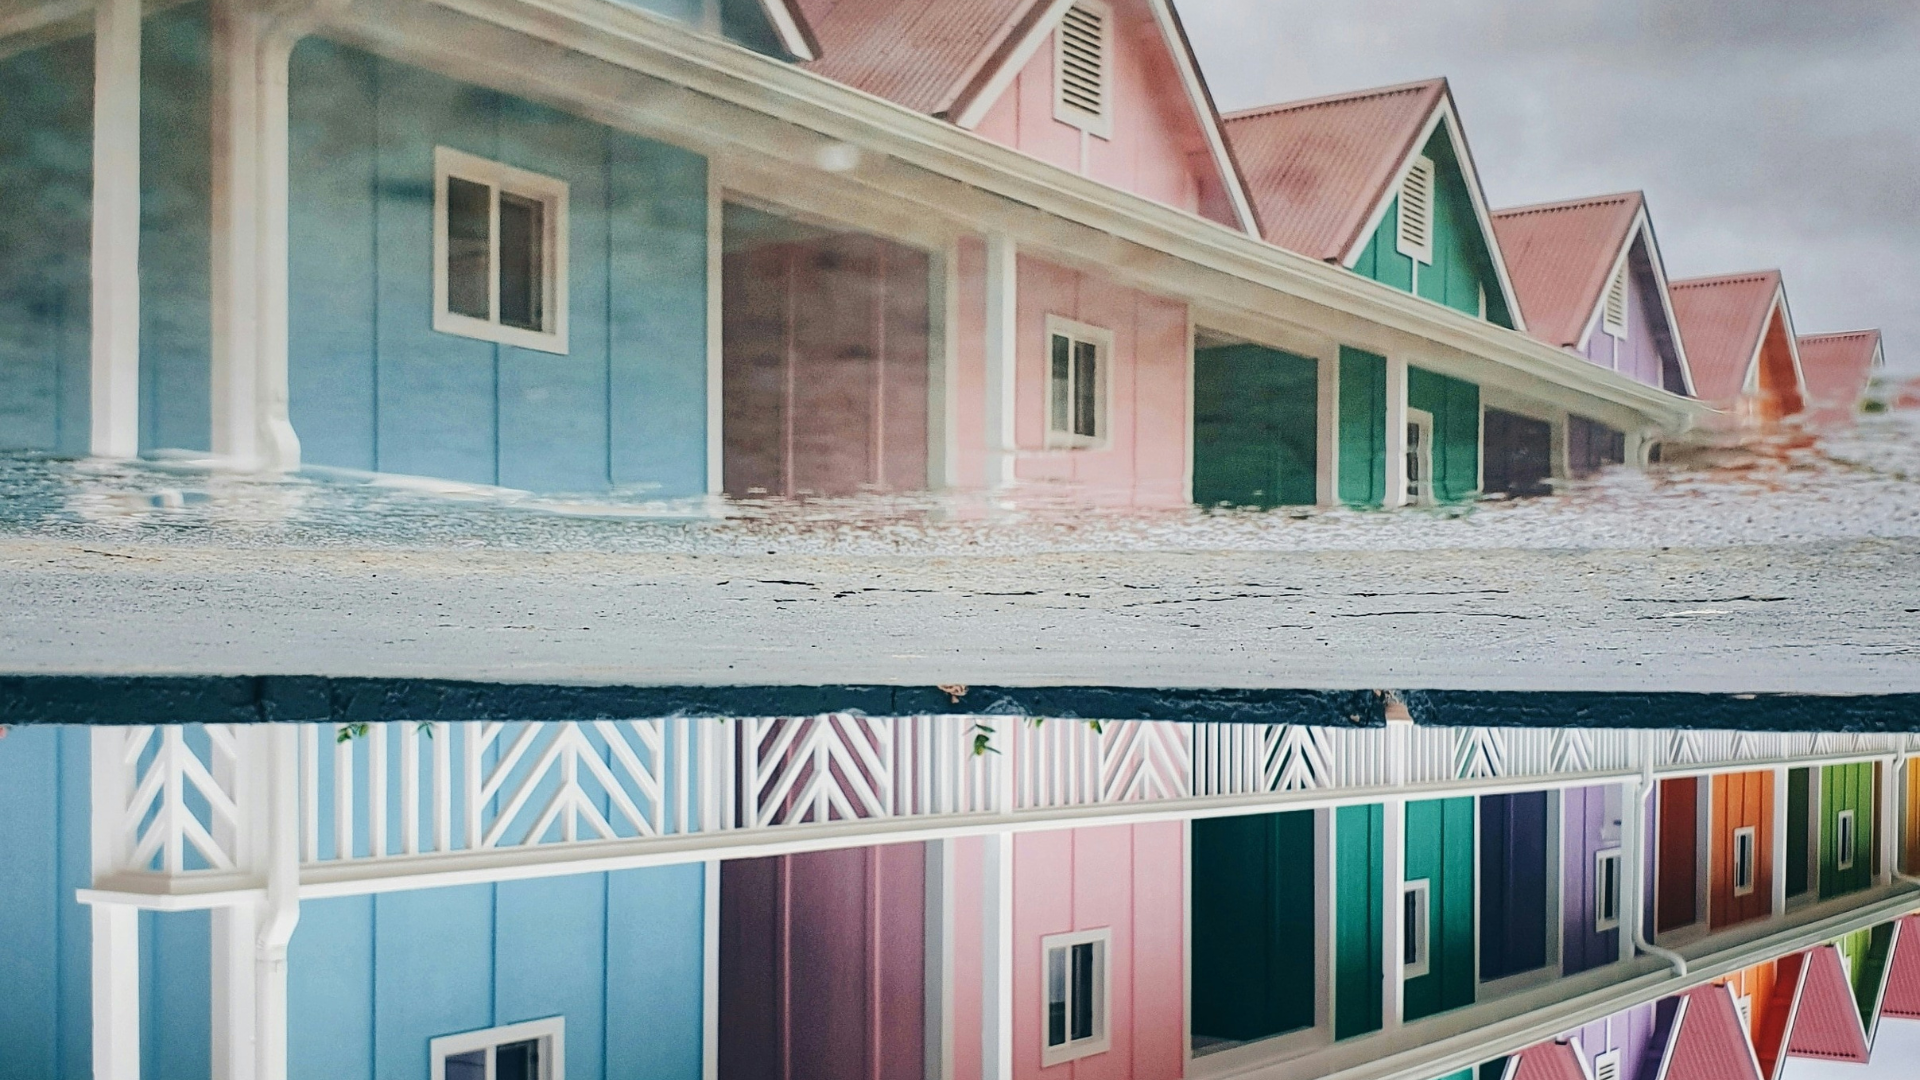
(1059, 395)
(468, 223)
(1086, 388)
(517, 1061)
(1056, 996)
(1410, 911)
(522, 273)
(471, 1065)
(1083, 991)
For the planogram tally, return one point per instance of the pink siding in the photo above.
(969, 953)
(1126, 877)
(1158, 147)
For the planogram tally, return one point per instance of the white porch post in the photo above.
(1393, 846)
(1886, 825)
(996, 1011)
(1779, 853)
(1326, 479)
(1003, 340)
(116, 927)
(251, 46)
(939, 946)
(115, 394)
(234, 1028)
(1396, 493)
(280, 798)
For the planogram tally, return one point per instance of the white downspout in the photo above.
(1641, 796)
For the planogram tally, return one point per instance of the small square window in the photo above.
(1606, 889)
(1743, 860)
(500, 253)
(1077, 360)
(1843, 839)
(1416, 924)
(535, 1050)
(1074, 967)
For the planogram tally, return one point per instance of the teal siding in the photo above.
(1253, 925)
(45, 934)
(1455, 405)
(1363, 428)
(373, 979)
(1359, 877)
(1439, 844)
(1255, 418)
(373, 386)
(1462, 258)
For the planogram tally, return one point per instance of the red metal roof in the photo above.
(1902, 996)
(1837, 366)
(1721, 320)
(1826, 1022)
(1547, 1061)
(1560, 256)
(918, 53)
(1708, 1042)
(1317, 168)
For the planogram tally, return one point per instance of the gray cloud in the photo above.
(1765, 132)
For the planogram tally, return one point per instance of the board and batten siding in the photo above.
(1440, 843)
(1591, 823)
(1363, 428)
(1462, 258)
(372, 979)
(1455, 405)
(1842, 788)
(1645, 354)
(1253, 887)
(374, 387)
(1514, 865)
(1359, 877)
(1639, 1034)
(1740, 800)
(1255, 424)
(1676, 862)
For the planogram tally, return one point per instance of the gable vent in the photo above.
(1607, 1066)
(1082, 59)
(1615, 317)
(1416, 211)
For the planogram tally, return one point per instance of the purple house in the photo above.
(1630, 1044)
(1590, 825)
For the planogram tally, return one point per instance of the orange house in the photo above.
(1740, 344)
(1740, 847)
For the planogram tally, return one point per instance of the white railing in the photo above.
(183, 801)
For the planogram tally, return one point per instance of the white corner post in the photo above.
(234, 1030)
(996, 983)
(1396, 493)
(1779, 852)
(116, 927)
(1326, 478)
(939, 954)
(114, 397)
(1393, 863)
(1886, 824)
(280, 913)
(251, 47)
(1003, 346)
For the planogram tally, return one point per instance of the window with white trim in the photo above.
(1843, 839)
(1074, 1023)
(1613, 318)
(1416, 928)
(1607, 1066)
(499, 252)
(1082, 68)
(1416, 210)
(1077, 359)
(1419, 457)
(1744, 854)
(1606, 889)
(535, 1050)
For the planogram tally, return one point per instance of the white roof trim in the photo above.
(1642, 227)
(1751, 382)
(1190, 80)
(787, 25)
(1443, 113)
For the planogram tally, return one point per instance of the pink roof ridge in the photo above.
(1708, 1040)
(1838, 366)
(1826, 1020)
(1547, 1061)
(1721, 320)
(1561, 255)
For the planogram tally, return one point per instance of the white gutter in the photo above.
(1643, 793)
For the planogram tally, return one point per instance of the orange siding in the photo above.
(1779, 395)
(1910, 831)
(1740, 800)
(1756, 985)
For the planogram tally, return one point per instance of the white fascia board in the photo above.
(1600, 301)
(787, 25)
(977, 107)
(967, 172)
(1793, 338)
(1643, 225)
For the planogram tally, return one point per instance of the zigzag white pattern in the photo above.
(1479, 753)
(1296, 758)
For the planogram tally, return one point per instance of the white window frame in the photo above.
(1750, 835)
(1420, 934)
(1421, 490)
(552, 1031)
(1606, 1065)
(1845, 838)
(1102, 1038)
(1102, 341)
(552, 194)
(1421, 252)
(1101, 123)
(1601, 922)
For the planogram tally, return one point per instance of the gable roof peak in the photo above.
(1744, 277)
(1636, 199)
(1436, 86)
(1562, 255)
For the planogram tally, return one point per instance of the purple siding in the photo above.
(1591, 823)
(1646, 353)
(1639, 1033)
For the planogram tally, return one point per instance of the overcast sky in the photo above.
(1766, 133)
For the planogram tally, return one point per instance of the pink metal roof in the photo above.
(1826, 1023)
(1316, 169)
(1547, 1061)
(922, 54)
(1837, 366)
(1721, 320)
(1902, 996)
(1708, 1042)
(1560, 256)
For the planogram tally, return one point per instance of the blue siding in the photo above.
(374, 979)
(176, 1000)
(375, 387)
(45, 985)
(176, 216)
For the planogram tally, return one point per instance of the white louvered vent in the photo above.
(1607, 1066)
(1615, 317)
(1416, 211)
(1082, 65)
(1744, 1006)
